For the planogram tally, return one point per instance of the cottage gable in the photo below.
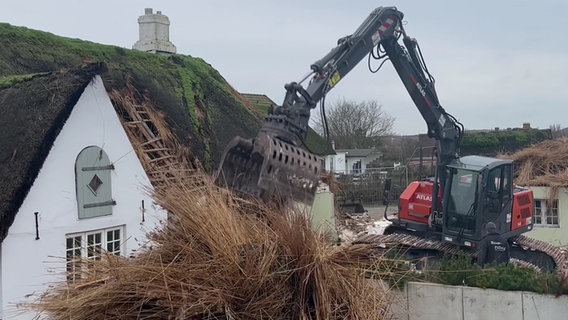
(33, 113)
(89, 192)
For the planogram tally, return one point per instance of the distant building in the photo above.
(260, 101)
(351, 161)
(262, 104)
(154, 29)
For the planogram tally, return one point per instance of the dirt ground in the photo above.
(377, 212)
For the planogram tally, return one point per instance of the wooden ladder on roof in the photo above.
(158, 158)
(153, 145)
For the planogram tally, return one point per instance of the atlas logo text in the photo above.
(421, 196)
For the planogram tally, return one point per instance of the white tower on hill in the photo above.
(154, 29)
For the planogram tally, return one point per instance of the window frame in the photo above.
(543, 213)
(356, 167)
(85, 246)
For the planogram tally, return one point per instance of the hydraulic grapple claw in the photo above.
(269, 168)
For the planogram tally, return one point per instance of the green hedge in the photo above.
(460, 270)
(495, 142)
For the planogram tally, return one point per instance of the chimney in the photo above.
(154, 31)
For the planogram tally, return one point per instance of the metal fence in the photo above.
(368, 187)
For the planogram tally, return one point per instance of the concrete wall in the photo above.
(322, 212)
(427, 301)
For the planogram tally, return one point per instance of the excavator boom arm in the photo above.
(293, 115)
(277, 160)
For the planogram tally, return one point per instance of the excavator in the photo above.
(443, 214)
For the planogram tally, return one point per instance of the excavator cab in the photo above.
(479, 190)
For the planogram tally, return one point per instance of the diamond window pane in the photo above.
(95, 184)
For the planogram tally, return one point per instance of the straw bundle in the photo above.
(544, 164)
(219, 257)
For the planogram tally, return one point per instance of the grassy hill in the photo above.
(199, 105)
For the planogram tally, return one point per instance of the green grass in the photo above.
(10, 81)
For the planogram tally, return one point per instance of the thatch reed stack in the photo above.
(219, 257)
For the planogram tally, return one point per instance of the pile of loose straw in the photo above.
(219, 257)
(544, 164)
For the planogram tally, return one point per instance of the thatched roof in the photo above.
(34, 109)
(543, 164)
(260, 101)
(201, 108)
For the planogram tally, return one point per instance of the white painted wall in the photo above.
(557, 236)
(351, 161)
(336, 162)
(343, 163)
(28, 265)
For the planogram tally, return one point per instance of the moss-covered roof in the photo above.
(202, 110)
(260, 101)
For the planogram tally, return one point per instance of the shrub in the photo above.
(459, 270)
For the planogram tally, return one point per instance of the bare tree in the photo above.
(355, 125)
(557, 131)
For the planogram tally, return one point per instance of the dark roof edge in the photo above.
(86, 73)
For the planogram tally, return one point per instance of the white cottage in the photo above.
(72, 184)
(550, 214)
(351, 161)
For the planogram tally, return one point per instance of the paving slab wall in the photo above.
(425, 301)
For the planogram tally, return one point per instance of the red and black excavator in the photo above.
(451, 208)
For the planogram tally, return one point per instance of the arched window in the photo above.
(93, 183)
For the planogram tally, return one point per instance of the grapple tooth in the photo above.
(269, 168)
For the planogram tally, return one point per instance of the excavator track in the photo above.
(558, 255)
(528, 245)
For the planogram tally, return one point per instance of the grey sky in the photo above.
(496, 63)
